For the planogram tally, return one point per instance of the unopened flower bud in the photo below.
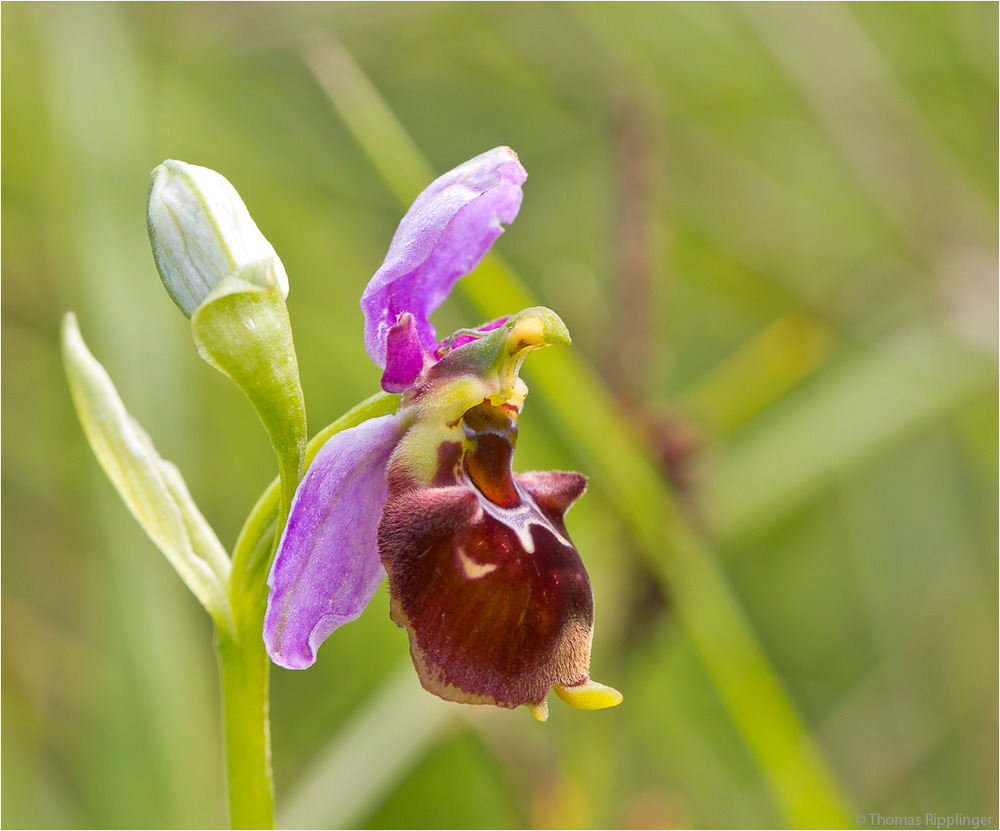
(201, 233)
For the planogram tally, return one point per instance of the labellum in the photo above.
(482, 573)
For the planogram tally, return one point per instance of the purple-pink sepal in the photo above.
(327, 566)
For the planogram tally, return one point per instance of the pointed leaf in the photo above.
(152, 488)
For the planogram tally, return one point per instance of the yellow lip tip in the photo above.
(540, 710)
(589, 695)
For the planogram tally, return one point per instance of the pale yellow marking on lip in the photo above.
(472, 569)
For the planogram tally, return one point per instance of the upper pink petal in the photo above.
(443, 237)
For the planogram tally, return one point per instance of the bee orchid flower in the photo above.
(482, 573)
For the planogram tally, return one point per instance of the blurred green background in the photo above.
(771, 230)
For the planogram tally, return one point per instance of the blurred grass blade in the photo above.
(152, 489)
(708, 609)
(893, 140)
(601, 436)
(760, 372)
(374, 126)
(369, 756)
(860, 409)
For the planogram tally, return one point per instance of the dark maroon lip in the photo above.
(482, 573)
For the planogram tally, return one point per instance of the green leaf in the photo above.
(152, 488)
(852, 415)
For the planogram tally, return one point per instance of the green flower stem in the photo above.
(244, 668)
(243, 664)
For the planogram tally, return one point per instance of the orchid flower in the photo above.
(482, 573)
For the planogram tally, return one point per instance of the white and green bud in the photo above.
(201, 233)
